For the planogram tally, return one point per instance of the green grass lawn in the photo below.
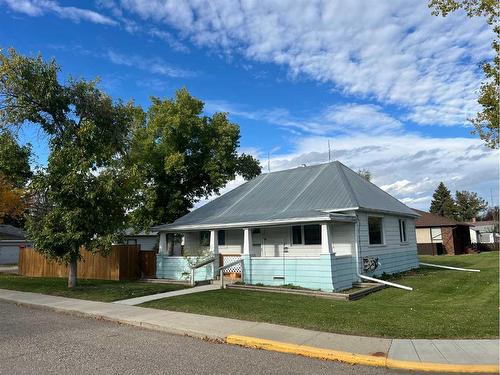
(443, 304)
(95, 290)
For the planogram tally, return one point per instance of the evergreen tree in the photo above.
(442, 202)
(469, 205)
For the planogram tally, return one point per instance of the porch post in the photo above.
(247, 259)
(163, 243)
(214, 250)
(326, 239)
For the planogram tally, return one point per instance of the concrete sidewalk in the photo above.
(430, 355)
(153, 297)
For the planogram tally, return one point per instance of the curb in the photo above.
(356, 359)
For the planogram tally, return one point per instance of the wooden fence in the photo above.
(122, 263)
(147, 261)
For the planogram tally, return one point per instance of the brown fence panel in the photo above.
(122, 263)
(147, 261)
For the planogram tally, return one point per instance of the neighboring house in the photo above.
(438, 235)
(147, 240)
(484, 232)
(304, 226)
(11, 238)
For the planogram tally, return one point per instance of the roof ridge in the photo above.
(323, 166)
(344, 178)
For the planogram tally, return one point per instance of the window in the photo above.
(296, 235)
(221, 237)
(204, 238)
(312, 234)
(256, 237)
(402, 230)
(436, 235)
(375, 230)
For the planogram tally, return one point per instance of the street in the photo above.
(42, 342)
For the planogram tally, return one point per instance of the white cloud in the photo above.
(152, 65)
(172, 41)
(392, 52)
(36, 8)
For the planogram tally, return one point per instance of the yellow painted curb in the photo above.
(354, 358)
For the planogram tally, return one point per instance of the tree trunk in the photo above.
(72, 273)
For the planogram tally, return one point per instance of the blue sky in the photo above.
(389, 85)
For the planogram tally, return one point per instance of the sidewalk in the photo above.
(423, 355)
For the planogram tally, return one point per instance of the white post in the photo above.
(163, 243)
(326, 239)
(214, 242)
(247, 241)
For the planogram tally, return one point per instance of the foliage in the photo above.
(182, 155)
(12, 202)
(443, 304)
(14, 159)
(468, 205)
(442, 202)
(491, 213)
(366, 174)
(486, 122)
(85, 187)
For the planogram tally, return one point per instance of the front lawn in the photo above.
(443, 304)
(95, 290)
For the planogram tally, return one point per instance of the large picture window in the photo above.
(375, 231)
(312, 234)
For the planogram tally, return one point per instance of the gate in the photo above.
(147, 261)
(233, 272)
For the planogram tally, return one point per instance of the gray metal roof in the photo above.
(299, 193)
(9, 232)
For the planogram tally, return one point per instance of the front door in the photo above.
(257, 242)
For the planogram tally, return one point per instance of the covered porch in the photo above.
(310, 254)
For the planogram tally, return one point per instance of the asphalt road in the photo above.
(36, 341)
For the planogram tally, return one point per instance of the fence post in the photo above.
(192, 277)
(221, 276)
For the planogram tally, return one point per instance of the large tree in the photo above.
(442, 202)
(82, 194)
(486, 122)
(468, 205)
(14, 159)
(183, 155)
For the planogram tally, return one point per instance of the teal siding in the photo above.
(394, 262)
(321, 273)
(177, 268)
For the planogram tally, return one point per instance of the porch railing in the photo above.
(199, 265)
(226, 266)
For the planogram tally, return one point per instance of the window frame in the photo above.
(319, 231)
(300, 233)
(382, 233)
(403, 233)
(303, 236)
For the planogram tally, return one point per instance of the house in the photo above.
(316, 227)
(485, 233)
(11, 238)
(147, 240)
(438, 235)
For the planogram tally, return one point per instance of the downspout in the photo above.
(358, 272)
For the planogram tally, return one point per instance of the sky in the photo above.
(389, 86)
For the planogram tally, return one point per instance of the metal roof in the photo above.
(9, 232)
(293, 194)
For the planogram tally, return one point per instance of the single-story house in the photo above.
(484, 232)
(147, 240)
(317, 227)
(11, 239)
(438, 235)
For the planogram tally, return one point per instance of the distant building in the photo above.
(11, 239)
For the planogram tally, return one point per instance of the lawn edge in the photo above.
(355, 358)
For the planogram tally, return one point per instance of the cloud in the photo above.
(172, 41)
(36, 8)
(350, 118)
(154, 65)
(391, 52)
(408, 166)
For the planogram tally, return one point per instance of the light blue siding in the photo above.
(178, 268)
(326, 272)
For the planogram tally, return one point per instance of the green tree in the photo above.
(486, 122)
(183, 155)
(82, 194)
(468, 205)
(442, 202)
(366, 174)
(14, 159)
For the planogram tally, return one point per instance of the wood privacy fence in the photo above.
(122, 263)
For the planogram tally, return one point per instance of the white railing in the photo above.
(199, 265)
(229, 265)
